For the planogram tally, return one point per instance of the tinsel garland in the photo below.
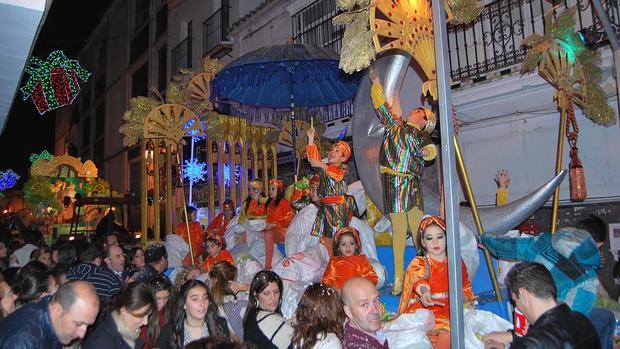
(37, 192)
(133, 129)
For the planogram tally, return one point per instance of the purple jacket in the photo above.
(355, 338)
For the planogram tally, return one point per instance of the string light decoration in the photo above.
(194, 170)
(45, 155)
(53, 83)
(8, 179)
(227, 174)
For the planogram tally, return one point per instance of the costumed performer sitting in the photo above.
(220, 222)
(347, 261)
(426, 280)
(216, 252)
(336, 207)
(406, 146)
(279, 215)
(197, 235)
(253, 208)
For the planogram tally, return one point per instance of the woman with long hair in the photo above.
(163, 291)
(263, 323)
(230, 307)
(136, 259)
(318, 319)
(195, 317)
(134, 308)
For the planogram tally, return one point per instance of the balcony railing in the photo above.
(215, 30)
(494, 40)
(182, 55)
(490, 43)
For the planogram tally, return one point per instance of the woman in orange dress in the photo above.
(426, 280)
(216, 252)
(347, 261)
(219, 224)
(197, 234)
(279, 216)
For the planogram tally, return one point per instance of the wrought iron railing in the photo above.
(490, 43)
(215, 29)
(182, 55)
(313, 25)
(494, 40)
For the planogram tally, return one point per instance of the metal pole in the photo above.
(191, 182)
(449, 174)
(474, 210)
(293, 127)
(143, 191)
(613, 41)
(189, 233)
(558, 166)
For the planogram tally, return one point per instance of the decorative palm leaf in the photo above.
(133, 129)
(172, 122)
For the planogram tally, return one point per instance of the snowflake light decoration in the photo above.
(227, 174)
(194, 170)
(201, 213)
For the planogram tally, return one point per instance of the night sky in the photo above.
(67, 27)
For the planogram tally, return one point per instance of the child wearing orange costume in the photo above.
(196, 232)
(347, 261)
(426, 280)
(254, 206)
(220, 222)
(216, 252)
(279, 215)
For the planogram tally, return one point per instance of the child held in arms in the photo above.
(336, 208)
(216, 252)
(279, 215)
(347, 261)
(426, 280)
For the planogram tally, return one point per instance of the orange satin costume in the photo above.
(256, 210)
(436, 279)
(197, 239)
(218, 225)
(281, 216)
(224, 255)
(342, 268)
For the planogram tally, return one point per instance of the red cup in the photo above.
(521, 325)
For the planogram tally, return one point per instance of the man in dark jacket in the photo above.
(54, 321)
(552, 325)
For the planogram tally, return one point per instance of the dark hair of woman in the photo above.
(319, 312)
(32, 268)
(221, 273)
(31, 287)
(211, 318)
(157, 284)
(276, 201)
(132, 255)
(261, 280)
(135, 296)
(34, 256)
(218, 343)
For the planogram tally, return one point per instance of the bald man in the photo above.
(362, 305)
(54, 321)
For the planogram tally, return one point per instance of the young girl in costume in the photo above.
(197, 234)
(336, 209)
(254, 205)
(426, 280)
(216, 252)
(347, 261)
(279, 215)
(219, 224)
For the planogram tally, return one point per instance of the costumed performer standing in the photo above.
(197, 235)
(426, 280)
(406, 146)
(336, 208)
(219, 224)
(279, 215)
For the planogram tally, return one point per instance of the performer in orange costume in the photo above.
(220, 222)
(197, 234)
(216, 252)
(254, 206)
(426, 280)
(347, 261)
(279, 215)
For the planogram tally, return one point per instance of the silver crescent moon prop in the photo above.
(398, 74)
